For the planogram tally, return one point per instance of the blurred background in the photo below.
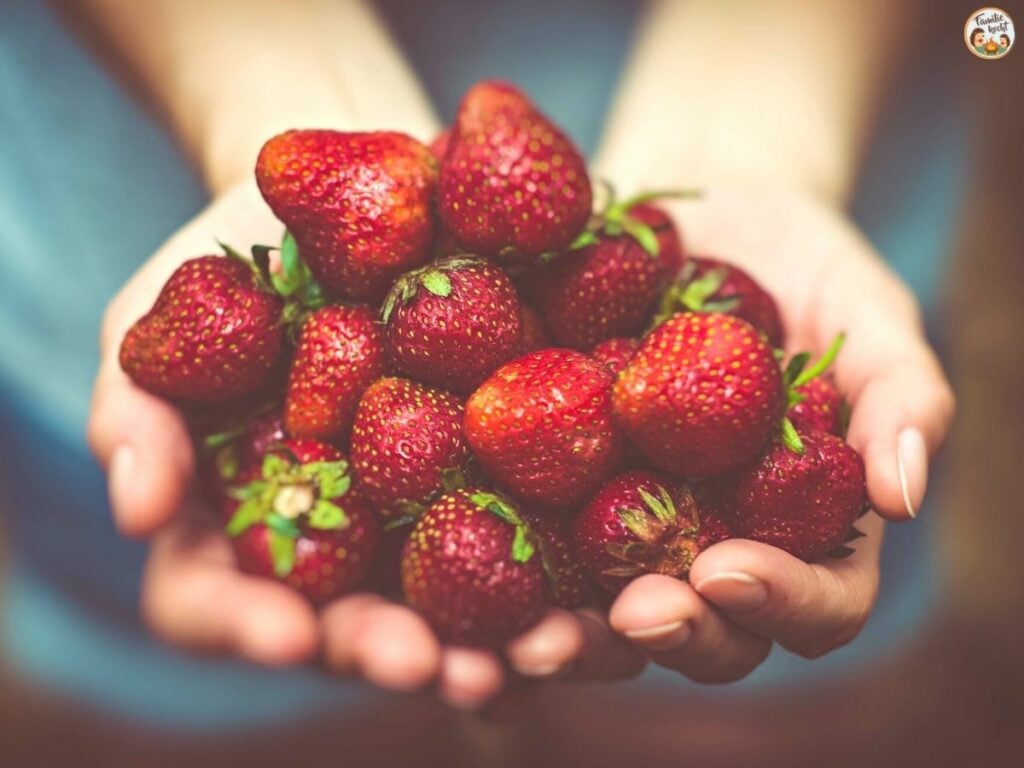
(936, 678)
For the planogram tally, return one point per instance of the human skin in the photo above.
(774, 190)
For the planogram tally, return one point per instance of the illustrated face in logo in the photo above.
(988, 33)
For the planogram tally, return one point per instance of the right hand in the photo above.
(194, 596)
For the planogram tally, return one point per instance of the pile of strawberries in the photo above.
(456, 383)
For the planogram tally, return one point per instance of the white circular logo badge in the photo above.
(989, 33)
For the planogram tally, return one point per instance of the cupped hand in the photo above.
(193, 594)
(743, 596)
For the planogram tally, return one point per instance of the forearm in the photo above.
(229, 74)
(766, 93)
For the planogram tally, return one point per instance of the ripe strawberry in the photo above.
(670, 245)
(469, 566)
(541, 427)
(451, 323)
(358, 204)
(439, 144)
(615, 353)
(405, 438)
(340, 351)
(300, 522)
(702, 395)
(804, 503)
(511, 183)
(234, 450)
(565, 585)
(214, 333)
(710, 285)
(820, 409)
(535, 335)
(640, 523)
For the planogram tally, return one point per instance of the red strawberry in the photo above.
(470, 568)
(340, 351)
(541, 427)
(226, 454)
(511, 183)
(439, 144)
(358, 204)
(641, 523)
(670, 245)
(615, 353)
(702, 395)
(214, 333)
(535, 335)
(405, 438)
(452, 323)
(300, 522)
(565, 585)
(820, 409)
(804, 503)
(710, 285)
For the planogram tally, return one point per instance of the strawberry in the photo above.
(340, 351)
(470, 567)
(615, 353)
(640, 522)
(214, 333)
(405, 438)
(300, 522)
(702, 395)
(541, 427)
(230, 452)
(710, 285)
(535, 335)
(439, 144)
(821, 408)
(451, 323)
(358, 204)
(803, 502)
(670, 245)
(511, 183)
(565, 585)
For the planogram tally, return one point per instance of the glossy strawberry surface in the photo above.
(615, 353)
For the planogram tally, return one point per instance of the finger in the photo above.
(388, 644)
(192, 596)
(605, 655)
(678, 630)
(808, 608)
(470, 677)
(547, 647)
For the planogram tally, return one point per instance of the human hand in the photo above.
(193, 594)
(741, 595)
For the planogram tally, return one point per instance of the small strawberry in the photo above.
(405, 438)
(702, 395)
(439, 144)
(470, 567)
(803, 502)
(340, 351)
(214, 333)
(640, 523)
(541, 427)
(232, 451)
(451, 323)
(710, 285)
(566, 584)
(822, 408)
(535, 335)
(358, 204)
(670, 245)
(300, 522)
(511, 183)
(615, 353)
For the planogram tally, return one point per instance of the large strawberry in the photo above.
(702, 395)
(511, 183)
(451, 323)
(710, 285)
(642, 523)
(615, 353)
(542, 428)
(406, 439)
(300, 522)
(358, 204)
(471, 568)
(339, 353)
(804, 502)
(214, 333)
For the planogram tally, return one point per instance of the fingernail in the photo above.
(734, 591)
(121, 476)
(538, 670)
(912, 464)
(664, 637)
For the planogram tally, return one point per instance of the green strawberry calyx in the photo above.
(665, 534)
(797, 373)
(690, 293)
(287, 497)
(433, 278)
(524, 543)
